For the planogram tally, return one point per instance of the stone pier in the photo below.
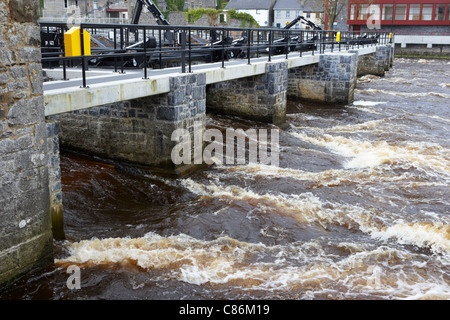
(260, 98)
(25, 207)
(376, 63)
(139, 131)
(332, 80)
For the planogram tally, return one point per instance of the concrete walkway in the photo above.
(106, 86)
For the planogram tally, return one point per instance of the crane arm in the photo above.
(159, 17)
(310, 23)
(293, 22)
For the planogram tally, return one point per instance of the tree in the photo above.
(333, 9)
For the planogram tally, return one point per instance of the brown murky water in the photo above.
(359, 209)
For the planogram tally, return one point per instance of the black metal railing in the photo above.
(141, 46)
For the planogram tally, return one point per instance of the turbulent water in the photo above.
(358, 209)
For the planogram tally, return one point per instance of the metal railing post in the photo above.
(332, 43)
(270, 45)
(287, 44)
(249, 42)
(121, 49)
(183, 51)
(160, 48)
(223, 48)
(83, 67)
(145, 53)
(190, 53)
(115, 48)
(301, 42)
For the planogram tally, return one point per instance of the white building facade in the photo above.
(287, 10)
(260, 10)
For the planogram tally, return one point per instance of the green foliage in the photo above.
(41, 7)
(194, 15)
(175, 5)
(172, 6)
(221, 4)
(244, 17)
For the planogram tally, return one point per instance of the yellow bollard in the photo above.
(338, 36)
(72, 43)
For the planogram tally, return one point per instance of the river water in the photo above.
(358, 209)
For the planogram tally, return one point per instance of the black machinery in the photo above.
(52, 39)
(296, 43)
(165, 49)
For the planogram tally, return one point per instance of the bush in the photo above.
(194, 15)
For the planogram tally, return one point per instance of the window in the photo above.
(95, 6)
(258, 11)
(308, 15)
(427, 11)
(362, 12)
(414, 12)
(288, 14)
(388, 10)
(400, 12)
(298, 13)
(440, 12)
(278, 14)
(448, 12)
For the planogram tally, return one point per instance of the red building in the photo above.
(400, 16)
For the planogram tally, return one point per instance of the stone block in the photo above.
(259, 98)
(29, 54)
(26, 111)
(23, 11)
(7, 57)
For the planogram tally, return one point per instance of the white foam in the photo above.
(306, 265)
(367, 103)
(366, 154)
(435, 236)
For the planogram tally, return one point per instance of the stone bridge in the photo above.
(130, 119)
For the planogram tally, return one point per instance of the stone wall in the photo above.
(25, 223)
(178, 18)
(260, 98)
(332, 80)
(139, 132)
